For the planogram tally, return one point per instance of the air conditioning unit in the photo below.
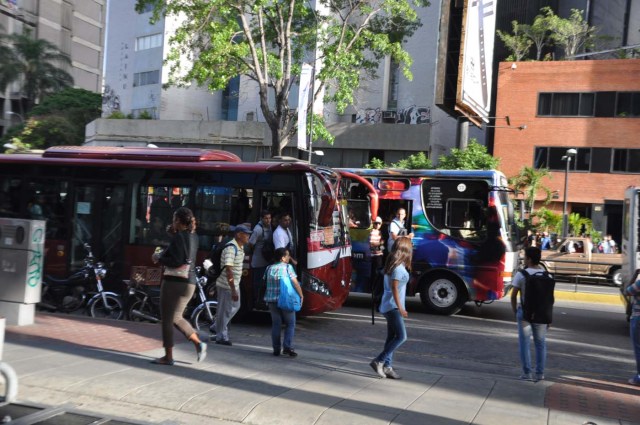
(389, 116)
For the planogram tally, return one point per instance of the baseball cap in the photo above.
(244, 229)
(378, 220)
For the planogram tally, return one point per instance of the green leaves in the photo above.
(474, 157)
(267, 40)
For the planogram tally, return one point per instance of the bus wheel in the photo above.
(616, 277)
(441, 294)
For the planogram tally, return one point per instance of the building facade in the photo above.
(592, 106)
(76, 27)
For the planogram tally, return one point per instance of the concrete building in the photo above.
(392, 117)
(592, 106)
(76, 27)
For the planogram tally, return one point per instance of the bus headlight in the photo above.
(313, 284)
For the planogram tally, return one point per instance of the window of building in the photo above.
(146, 78)
(149, 42)
(566, 104)
(628, 104)
(394, 79)
(592, 160)
(626, 161)
(541, 158)
(551, 158)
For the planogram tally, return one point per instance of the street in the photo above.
(586, 340)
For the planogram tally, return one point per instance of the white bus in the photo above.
(630, 241)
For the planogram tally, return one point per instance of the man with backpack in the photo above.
(533, 310)
(261, 241)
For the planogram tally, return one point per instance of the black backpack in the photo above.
(216, 259)
(268, 248)
(537, 306)
(377, 290)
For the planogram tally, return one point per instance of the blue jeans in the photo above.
(396, 336)
(635, 341)
(539, 332)
(277, 317)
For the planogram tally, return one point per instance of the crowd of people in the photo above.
(545, 241)
(269, 272)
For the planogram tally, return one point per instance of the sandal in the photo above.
(163, 361)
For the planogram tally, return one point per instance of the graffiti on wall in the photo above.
(110, 100)
(410, 115)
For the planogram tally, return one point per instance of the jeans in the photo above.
(396, 336)
(277, 317)
(539, 332)
(635, 341)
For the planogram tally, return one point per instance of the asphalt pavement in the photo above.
(89, 368)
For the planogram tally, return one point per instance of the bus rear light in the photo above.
(399, 185)
(313, 284)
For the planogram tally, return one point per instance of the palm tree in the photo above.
(34, 63)
(529, 181)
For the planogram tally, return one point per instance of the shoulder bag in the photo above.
(289, 299)
(183, 270)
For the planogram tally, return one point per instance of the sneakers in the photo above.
(526, 377)
(276, 351)
(223, 342)
(378, 367)
(539, 377)
(634, 381)
(289, 352)
(201, 351)
(390, 373)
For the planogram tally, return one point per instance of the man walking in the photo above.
(634, 292)
(228, 283)
(261, 241)
(526, 327)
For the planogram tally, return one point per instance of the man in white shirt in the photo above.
(397, 229)
(282, 237)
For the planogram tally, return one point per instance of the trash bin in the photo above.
(21, 268)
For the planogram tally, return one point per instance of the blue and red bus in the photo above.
(451, 214)
(120, 200)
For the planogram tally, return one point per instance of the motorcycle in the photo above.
(83, 289)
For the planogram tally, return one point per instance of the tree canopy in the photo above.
(267, 42)
(37, 64)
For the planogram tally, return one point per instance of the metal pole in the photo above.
(565, 221)
(313, 81)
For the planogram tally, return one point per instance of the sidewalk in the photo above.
(102, 368)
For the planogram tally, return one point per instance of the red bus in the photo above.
(121, 199)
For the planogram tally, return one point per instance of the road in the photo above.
(586, 340)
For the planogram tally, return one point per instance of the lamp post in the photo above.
(565, 220)
(16, 114)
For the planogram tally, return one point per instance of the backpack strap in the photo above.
(526, 275)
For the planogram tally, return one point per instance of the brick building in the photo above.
(592, 106)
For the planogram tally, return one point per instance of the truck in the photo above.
(630, 242)
(574, 256)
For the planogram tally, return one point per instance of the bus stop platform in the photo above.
(79, 370)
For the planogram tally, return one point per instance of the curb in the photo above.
(589, 297)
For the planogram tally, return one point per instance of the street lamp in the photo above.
(16, 114)
(565, 220)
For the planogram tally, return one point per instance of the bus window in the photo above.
(466, 217)
(10, 197)
(47, 201)
(213, 214)
(155, 208)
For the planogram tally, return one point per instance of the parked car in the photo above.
(574, 256)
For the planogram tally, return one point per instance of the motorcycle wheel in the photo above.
(142, 308)
(112, 310)
(203, 318)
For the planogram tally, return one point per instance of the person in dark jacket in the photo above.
(176, 292)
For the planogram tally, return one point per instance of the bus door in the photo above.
(98, 218)
(279, 203)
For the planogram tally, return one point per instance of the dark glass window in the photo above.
(587, 103)
(601, 160)
(583, 159)
(605, 103)
(634, 161)
(540, 160)
(555, 159)
(565, 104)
(619, 160)
(628, 104)
(544, 104)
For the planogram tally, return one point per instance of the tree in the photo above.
(573, 34)
(548, 220)
(529, 181)
(60, 119)
(267, 41)
(577, 223)
(34, 63)
(518, 44)
(539, 31)
(474, 157)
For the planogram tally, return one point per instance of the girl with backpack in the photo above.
(392, 306)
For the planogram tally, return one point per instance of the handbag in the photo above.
(288, 299)
(180, 271)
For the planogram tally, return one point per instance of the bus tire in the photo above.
(443, 294)
(616, 277)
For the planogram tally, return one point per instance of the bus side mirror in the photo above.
(325, 216)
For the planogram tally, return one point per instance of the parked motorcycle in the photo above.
(82, 289)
